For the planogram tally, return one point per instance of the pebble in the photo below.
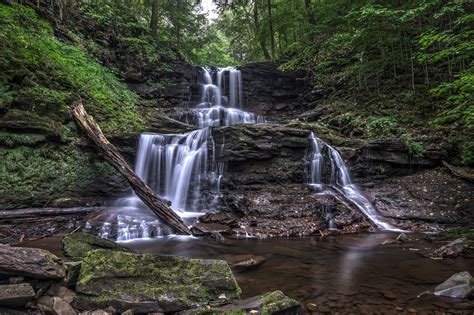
(389, 295)
(412, 310)
(311, 307)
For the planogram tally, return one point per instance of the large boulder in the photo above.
(269, 303)
(459, 285)
(30, 262)
(76, 246)
(152, 283)
(453, 249)
(16, 294)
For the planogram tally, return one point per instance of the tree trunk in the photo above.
(272, 38)
(113, 156)
(311, 18)
(154, 18)
(261, 41)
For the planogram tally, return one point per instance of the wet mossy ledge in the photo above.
(108, 276)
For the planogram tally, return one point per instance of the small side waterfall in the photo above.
(327, 168)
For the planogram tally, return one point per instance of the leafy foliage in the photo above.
(44, 76)
(411, 60)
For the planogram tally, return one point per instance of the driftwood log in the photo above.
(113, 156)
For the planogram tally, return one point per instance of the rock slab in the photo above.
(30, 262)
(16, 294)
(76, 246)
(152, 283)
(459, 285)
(269, 303)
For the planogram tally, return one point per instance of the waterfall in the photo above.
(182, 168)
(220, 105)
(323, 157)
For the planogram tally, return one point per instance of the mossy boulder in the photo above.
(76, 246)
(269, 303)
(152, 283)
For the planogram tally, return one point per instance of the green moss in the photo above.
(76, 246)
(32, 177)
(110, 276)
(276, 301)
(458, 233)
(44, 76)
(11, 140)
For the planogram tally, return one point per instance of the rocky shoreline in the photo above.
(98, 276)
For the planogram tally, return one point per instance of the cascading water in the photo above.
(182, 168)
(338, 178)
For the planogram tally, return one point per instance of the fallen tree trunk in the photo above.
(113, 156)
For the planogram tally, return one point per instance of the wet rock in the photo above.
(149, 283)
(15, 280)
(246, 262)
(269, 303)
(55, 306)
(16, 294)
(31, 262)
(76, 246)
(62, 292)
(453, 249)
(389, 295)
(459, 285)
(390, 242)
(73, 269)
(200, 229)
(223, 218)
(403, 238)
(311, 307)
(216, 236)
(96, 312)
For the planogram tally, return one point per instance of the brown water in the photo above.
(344, 274)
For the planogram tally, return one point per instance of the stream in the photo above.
(335, 273)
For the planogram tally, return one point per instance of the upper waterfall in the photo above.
(222, 99)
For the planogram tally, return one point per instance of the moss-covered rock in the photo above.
(269, 303)
(33, 176)
(148, 282)
(76, 246)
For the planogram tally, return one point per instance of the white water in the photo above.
(338, 178)
(182, 168)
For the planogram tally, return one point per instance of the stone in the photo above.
(15, 280)
(246, 262)
(55, 306)
(30, 262)
(208, 228)
(73, 268)
(128, 312)
(151, 283)
(403, 238)
(453, 249)
(269, 303)
(62, 292)
(389, 295)
(76, 246)
(97, 312)
(16, 294)
(459, 285)
(312, 307)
